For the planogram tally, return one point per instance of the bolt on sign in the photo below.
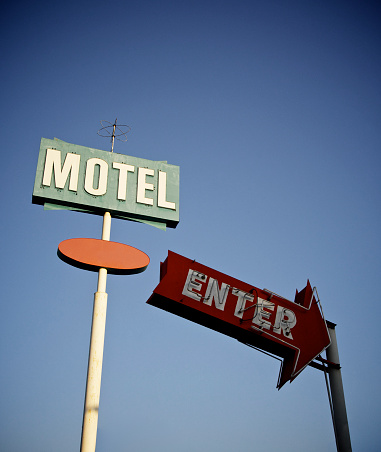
(295, 331)
(90, 180)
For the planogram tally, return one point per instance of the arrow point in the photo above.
(314, 339)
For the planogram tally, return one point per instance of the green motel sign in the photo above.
(89, 180)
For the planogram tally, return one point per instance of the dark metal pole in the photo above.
(340, 420)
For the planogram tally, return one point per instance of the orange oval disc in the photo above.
(93, 254)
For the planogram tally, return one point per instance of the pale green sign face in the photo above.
(95, 181)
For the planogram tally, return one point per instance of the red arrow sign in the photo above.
(295, 331)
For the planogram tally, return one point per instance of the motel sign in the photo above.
(94, 181)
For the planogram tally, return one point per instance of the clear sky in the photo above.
(272, 111)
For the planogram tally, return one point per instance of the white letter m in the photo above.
(53, 163)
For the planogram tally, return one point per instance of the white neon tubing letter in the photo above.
(261, 314)
(191, 284)
(243, 297)
(285, 320)
(218, 295)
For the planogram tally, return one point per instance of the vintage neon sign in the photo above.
(295, 331)
(95, 181)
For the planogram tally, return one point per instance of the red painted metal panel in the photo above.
(295, 331)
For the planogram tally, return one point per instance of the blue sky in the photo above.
(272, 111)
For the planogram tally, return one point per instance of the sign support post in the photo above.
(340, 420)
(94, 371)
(89, 180)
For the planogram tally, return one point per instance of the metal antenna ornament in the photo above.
(113, 131)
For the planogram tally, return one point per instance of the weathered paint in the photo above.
(96, 181)
(295, 331)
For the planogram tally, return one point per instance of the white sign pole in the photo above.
(94, 371)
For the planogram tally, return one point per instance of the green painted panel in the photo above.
(95, 181)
